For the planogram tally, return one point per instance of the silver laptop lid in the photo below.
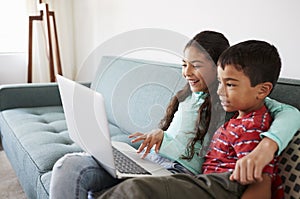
(84, 111)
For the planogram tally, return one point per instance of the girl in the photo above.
(179, 141)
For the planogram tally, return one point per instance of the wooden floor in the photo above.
(9, 184)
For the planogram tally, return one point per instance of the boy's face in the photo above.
(235, 91)
(198, 70)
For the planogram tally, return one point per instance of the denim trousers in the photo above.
(78, 176)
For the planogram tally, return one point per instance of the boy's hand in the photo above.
(150, 139)
(249, 168)
(259, 190)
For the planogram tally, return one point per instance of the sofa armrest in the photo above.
(29, 95)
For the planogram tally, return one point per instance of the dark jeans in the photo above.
(177, 186)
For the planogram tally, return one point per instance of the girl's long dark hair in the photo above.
(214, 44)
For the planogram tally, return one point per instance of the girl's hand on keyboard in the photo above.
(150, 139)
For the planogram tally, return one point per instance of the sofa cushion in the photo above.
(34, 139)
(287, 91)
(43, 185)
(42, 132)
(136, 91)
(289, 168)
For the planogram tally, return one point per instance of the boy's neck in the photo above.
(257, 106)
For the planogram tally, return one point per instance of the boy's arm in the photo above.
(286, 123)
(249, 168)
(259, 190)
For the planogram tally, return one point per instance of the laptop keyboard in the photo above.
(126, 165)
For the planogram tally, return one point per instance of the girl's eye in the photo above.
(197, 66)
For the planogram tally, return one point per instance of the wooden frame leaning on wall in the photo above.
(45, 16)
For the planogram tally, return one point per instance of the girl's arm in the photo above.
(150, 139)
(249, 168)
(174, 147)
(285, 124)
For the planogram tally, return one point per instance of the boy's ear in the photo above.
(264, 89)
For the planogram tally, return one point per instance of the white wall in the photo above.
(13, 68)
(13, 42)
(98, 21)
(275, 21)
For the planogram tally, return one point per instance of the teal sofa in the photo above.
(34, 133)
(32, 123)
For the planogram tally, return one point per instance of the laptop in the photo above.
(87, 125)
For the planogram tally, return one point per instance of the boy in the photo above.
(247, 73)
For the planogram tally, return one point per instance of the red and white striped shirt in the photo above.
(237, 138)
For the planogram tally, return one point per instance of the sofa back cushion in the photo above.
(289, 168)
(287, 91)
(136, 91)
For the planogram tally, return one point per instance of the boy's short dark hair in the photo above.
(259, 60)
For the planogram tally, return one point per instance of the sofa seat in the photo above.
(46, 132)
(41, 139)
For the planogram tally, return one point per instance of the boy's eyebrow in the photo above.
(230, 79)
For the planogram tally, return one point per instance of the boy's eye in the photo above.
(230, 85)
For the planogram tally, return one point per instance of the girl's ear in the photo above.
(264, 90)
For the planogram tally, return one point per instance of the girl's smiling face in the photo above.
(198, 69)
